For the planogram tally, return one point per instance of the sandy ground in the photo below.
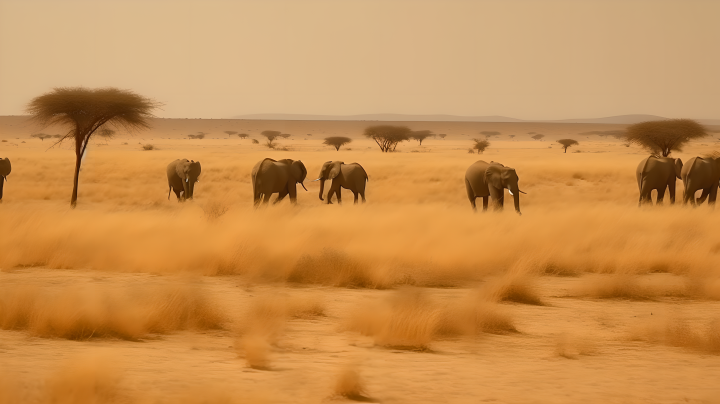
(629, 298)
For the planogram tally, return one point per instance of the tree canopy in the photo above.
(490, 133)
(421, 135)
(480, 145)
(230, 132)
(337, 141)
(567, 143)
(285, 135)
(537, 136)
(243, 135)
(270, 134)
(200, 135)
(41, 136)
(664, 137)
(85, 111)
(442, 135)
(387, 136)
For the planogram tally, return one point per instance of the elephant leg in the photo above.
(713, 195)
(339, 196)
(702, 197)
(497, 197)
(362, 195)
(355, 194)
(660, 195)
(292, 190)
(671, 189)
(470, 194)
(266, 198)
(177, 194)
(281, 196)
(485, 203)
(472, 203)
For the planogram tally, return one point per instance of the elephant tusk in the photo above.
(316, 180)
(303, 185)
(511, 192)
(522, 192)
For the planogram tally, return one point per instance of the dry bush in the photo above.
(409, 319)
(513, 286)
(677, 331)
(333, 268)
(214, 209)
(634, 287)
(83, 313)
(148, 147)
(349, 385)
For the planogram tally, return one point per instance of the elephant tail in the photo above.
(169, 191)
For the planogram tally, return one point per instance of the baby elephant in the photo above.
(490, 180)
(348, 176)
(182, 175)
(4, 172)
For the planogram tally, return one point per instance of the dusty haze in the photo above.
(553, 59)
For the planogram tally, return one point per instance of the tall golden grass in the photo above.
(81, 313)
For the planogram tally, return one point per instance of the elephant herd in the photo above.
(275, 177)
(482, 180)
(660, 173)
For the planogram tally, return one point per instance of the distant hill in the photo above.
(616, 120)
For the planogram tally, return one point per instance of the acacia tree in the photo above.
(490, 133)
(230, 132)
(537, 136)
(200, 135)
(442, 135)
(421, 135)
(87, 110)
(387, 136)
(284, 135)
(243, 135)
(567, 143)
(270, 134)
(41, 136)
(337, 141)
(106, 133)
(480, 145)
(664, 137)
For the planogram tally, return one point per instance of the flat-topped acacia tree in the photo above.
(387, 136)
(421, 135)
(565, 143)
(337, 141)
(664, 137)
(87, 110)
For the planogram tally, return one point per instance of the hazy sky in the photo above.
(530, 59)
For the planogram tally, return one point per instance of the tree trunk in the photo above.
(337, 148)
(73, 200)
(566, 150)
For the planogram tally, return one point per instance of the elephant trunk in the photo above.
(515, 190)
(322, 188)
(186, 187)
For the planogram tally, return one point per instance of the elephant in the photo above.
(700, 173)
(270, 176)
(182, 175)
(348, 176)
(490, 180)
(5, 169)
(657, 173)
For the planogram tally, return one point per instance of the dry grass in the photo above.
(410, 319)
(515, 287)
(646, 287)
(678, 332)
(351, 386)
(82, 313)
(88, 380)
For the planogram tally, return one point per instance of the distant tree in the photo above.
(85, 111)
(481, 145)
(270, 134)
(664, 137)
(337, 141)
(230, 132)
(243, 135)
(421, 135)
(56, 136)
(309, 134)
(285, 135)
(620, 134)
(490, 133)
(511, 136)
(387, 136)
(255, 141)
(200, 135)
(442, 136)
(41, 136)
(567, 143)
(106, 133)
(537, 136)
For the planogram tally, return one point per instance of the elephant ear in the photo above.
(335, 170)
(493, 176)
(678, 167)
(298, 171)
(180, 168)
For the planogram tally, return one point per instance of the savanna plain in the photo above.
(408, 298)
